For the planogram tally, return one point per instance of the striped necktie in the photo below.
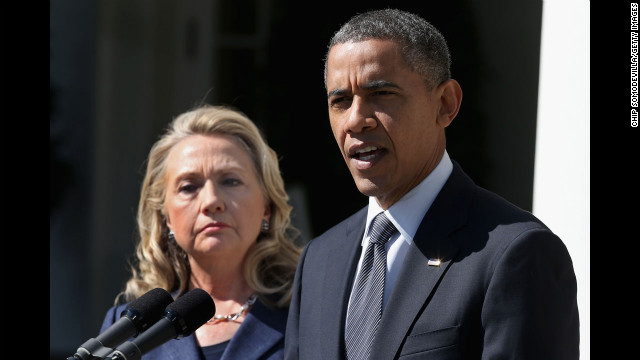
(365, 310)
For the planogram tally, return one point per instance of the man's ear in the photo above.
(450, 99)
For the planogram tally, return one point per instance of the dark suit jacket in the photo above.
(505, 289)
(260, 336)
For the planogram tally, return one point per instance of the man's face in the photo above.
(383, 117)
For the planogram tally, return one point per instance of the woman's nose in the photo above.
(212, 199)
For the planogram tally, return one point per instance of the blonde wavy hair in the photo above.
(270, 262)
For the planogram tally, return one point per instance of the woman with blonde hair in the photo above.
(213, 214)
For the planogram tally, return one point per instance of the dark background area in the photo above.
(121, 70)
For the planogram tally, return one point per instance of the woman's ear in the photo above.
(267, 211)
(450, 99)
(167, 221)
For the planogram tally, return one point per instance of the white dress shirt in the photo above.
(406, 214)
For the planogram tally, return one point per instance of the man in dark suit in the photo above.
(464, 274)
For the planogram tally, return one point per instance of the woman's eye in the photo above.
(231, 182)
(187, 188)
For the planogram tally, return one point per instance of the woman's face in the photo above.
(214, 203)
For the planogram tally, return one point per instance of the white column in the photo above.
(561, 174)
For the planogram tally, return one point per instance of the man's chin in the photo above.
(368, 187)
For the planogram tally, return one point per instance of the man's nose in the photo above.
(361, 117)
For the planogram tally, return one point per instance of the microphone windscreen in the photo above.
(195, 307)
(151, 305)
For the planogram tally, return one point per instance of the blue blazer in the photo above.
(505, 288)
(260, 336)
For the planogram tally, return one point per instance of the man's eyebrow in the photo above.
(336, 92)
(372, 85)
(377, 84)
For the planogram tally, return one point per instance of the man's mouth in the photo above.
(365, 154)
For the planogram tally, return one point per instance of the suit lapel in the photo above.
(417, 279)
(415, 283)
(338, 278)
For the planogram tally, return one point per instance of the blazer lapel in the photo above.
(338, 278)
(176, 349)
(417, 279)
(264, 329)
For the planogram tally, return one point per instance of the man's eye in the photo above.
(382, 92)
(338, 101)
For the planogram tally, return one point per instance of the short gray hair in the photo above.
(423, 47)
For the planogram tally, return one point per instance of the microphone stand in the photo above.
(92, 349)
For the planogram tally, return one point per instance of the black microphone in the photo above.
(181, 318)
(139, 315)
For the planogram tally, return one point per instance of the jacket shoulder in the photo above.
(112, 315)
(338, 231)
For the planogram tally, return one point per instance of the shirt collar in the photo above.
(407, 213)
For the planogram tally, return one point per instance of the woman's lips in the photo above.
(214, 227)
